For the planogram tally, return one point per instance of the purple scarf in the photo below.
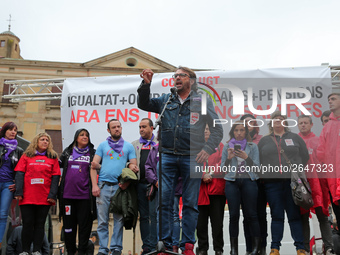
(10, 145)
(233, 141)
(116, 146)
(146, 142)
(77, 152)
(40, 153)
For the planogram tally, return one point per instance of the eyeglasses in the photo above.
(182, 75)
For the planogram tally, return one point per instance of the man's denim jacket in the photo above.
(183, 125)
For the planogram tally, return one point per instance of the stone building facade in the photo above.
(44, 116)
(33, 117)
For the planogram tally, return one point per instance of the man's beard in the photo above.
(116, 137)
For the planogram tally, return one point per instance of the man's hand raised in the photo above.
(147, 75)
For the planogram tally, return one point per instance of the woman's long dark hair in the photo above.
(231, 132)
(6, 126)
(255, 130)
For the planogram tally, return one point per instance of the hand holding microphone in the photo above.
(173, 91)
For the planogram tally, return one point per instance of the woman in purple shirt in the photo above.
(76, 203)
(10, 154)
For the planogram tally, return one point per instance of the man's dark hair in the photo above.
(333, 94)
(306, 116)
(150, 121)
(108, 124)
(191, 74)
(94, 234)
(325, 114)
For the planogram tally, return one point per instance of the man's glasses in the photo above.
(182, 75)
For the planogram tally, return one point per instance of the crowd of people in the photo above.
(86, 181)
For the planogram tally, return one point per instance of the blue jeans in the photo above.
(153, 207)
(148, 218)
(176, 231)
(103, 204)
(6, 198)
(262, 216)
(174, 166)
(245, 189)
(279, 196)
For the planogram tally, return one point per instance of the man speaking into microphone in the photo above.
(183, 148)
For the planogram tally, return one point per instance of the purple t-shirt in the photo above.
(77, 178)
(6, 170)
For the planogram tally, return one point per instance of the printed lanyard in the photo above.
(278, 146)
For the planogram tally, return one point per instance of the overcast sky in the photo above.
(218, 34)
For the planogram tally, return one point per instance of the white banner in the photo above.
(91, 102)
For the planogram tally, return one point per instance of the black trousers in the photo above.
(215, 210)
(336, 210)
(33, 226)
(77, 213)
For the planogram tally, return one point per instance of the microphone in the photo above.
(173, 91)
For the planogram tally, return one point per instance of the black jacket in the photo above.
(125, 202)
(14, 156)
(295, 149)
